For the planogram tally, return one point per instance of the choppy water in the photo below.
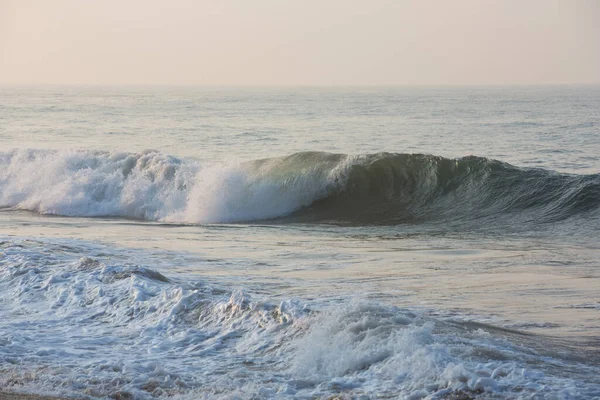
(300, 243)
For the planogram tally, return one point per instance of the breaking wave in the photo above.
(91, 326)
(383, 188)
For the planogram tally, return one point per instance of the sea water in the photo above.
(300, 242)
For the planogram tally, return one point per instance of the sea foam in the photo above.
(157, 187)
(106, 328)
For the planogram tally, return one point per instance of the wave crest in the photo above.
(383, 188)
(413, 188)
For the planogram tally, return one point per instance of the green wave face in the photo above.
(388, 188)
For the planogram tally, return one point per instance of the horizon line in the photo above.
(299, 85)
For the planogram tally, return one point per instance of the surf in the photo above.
(305, 187)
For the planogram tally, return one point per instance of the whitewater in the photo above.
(436, 243)
(157, 187)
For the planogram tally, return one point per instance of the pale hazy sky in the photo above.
(301, 42)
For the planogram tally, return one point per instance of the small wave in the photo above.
(383, 188)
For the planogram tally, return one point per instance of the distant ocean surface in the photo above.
(185, 243)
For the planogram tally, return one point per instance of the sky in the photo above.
(301, 42)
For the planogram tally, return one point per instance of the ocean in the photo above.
(300, 243)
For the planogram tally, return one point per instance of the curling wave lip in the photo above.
(381, 188)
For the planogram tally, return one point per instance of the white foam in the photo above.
(154, 186)
(87, 325)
